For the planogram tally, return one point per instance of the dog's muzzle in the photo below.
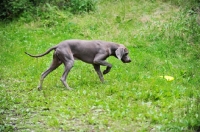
(126, 60)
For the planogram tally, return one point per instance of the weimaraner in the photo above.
(94, 52)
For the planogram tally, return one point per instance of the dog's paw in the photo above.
(69, 89)
(39, 88)
(105, 72)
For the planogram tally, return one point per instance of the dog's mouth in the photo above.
(126, 61)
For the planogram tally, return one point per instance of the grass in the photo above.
(163, 39)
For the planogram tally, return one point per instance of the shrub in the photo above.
(79, 6)
(13, 8)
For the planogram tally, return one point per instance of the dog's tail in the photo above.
(49, 50)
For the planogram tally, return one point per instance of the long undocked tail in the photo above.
(49, 50)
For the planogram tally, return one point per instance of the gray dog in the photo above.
(94, 52)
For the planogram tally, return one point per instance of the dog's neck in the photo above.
(113, 48)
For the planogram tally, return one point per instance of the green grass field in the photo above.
(163, 39)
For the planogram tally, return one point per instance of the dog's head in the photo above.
(122, 54)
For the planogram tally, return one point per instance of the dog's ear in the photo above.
(119, 53)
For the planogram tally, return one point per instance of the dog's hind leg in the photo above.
(68, 65)
(55, 63)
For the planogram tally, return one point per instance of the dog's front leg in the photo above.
(104, 63)
(107, 70)
(100, 60)
(97, 69)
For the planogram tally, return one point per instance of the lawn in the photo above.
(163, 40)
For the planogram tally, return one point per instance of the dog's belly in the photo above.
(84, 59)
